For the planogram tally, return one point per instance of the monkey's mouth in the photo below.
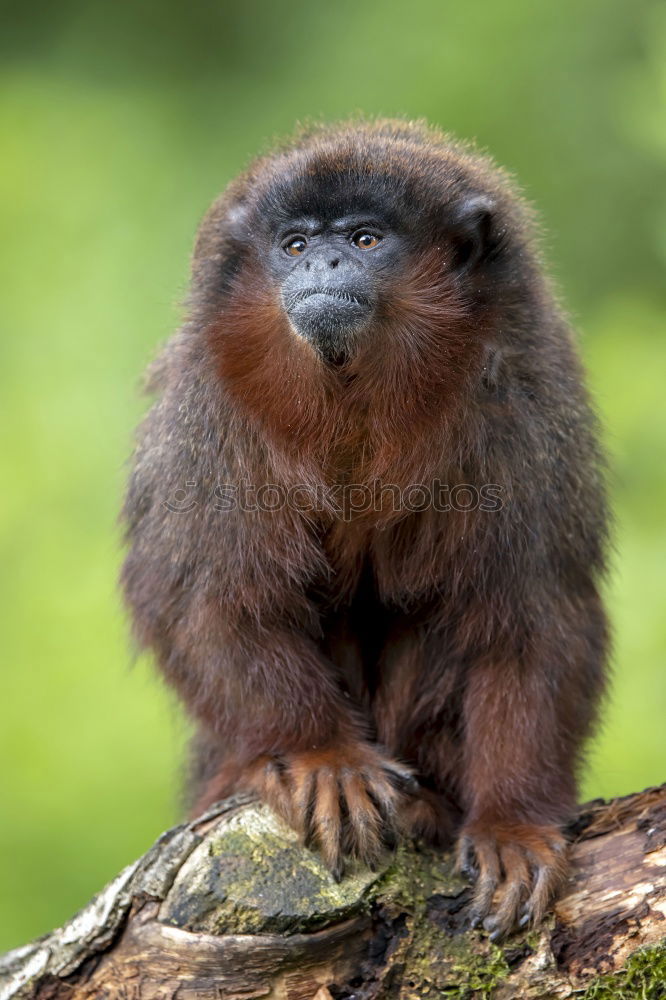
(328, 318)
(345, 297)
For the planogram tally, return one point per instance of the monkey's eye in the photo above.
(295, 246)
(365, 241)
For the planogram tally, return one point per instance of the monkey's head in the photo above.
(334, 228)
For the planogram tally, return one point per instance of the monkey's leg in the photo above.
(415, 708)
(523, 725)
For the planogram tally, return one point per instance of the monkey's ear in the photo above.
(471, 231)
(236, 221)
(224, 221)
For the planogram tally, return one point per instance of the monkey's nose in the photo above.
(334, 263)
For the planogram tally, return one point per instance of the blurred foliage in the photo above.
(119, 124)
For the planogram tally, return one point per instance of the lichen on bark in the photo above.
(250, 875)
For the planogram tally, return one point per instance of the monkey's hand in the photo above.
(343, 799)
(517, 868)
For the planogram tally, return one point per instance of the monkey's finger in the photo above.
(364, 822)
(512, 893)
(466, 859)
(487, 881)
(401, 777)
(381, 791)
(327, 820)
(383, 795)
(548, 881)
(550, 868)
(303, 792)
(276, 792)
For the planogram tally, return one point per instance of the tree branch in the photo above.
(231, 906)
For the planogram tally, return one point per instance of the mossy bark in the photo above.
(231, 906)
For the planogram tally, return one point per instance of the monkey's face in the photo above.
(360, 246)
(332, 274)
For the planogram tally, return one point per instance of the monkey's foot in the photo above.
(343, 799)
(517, 868)
(425, 815)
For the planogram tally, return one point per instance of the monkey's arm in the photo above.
(532, 692)
(533, 637)
(524, 722)
(220, 597)
(277, 722)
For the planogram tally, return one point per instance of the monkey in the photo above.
(370, 316)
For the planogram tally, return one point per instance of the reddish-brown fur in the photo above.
(379, 670)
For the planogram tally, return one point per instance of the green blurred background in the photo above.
(120, 122)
